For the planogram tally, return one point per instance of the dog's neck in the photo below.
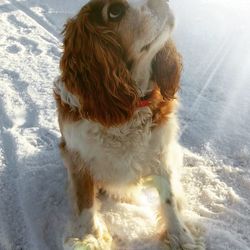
(141, 74)
(142, 67)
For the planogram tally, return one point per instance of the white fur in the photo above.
(137, 3)
(120, 156)
(66, 96)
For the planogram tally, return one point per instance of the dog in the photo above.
(117, 99)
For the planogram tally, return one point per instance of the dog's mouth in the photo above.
(146, 47)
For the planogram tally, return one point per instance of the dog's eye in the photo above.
(116, 12)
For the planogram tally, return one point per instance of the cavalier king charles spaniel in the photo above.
(116, 100)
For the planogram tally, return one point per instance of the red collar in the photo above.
(144, 101)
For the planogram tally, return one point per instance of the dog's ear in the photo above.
(94, 70)
(166, 70)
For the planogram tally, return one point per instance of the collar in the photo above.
(145, 101)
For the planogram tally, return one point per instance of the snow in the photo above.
(213, 37)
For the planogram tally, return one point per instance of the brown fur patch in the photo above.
(166, 70)
(161, 108)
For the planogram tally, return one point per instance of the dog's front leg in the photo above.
(177, 235)
(87, 230)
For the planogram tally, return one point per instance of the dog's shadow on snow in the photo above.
(45, 194)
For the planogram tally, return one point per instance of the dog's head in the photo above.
(114, 50)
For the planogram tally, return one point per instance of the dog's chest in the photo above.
(115, 154)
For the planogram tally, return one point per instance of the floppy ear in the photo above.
(166, 70)
(94, 70)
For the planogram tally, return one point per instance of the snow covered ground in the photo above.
(213, 37)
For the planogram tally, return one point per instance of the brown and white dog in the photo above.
(116, 101)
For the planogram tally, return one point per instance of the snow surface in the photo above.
(213, 37)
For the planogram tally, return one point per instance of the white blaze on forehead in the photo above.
(137, 3)
(140, 3)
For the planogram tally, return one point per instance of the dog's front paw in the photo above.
(183, 240)
(89, 242)
(83, 237)
(77, 244)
